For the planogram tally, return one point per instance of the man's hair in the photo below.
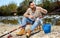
(30, 2)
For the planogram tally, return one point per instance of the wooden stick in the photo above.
(9, 32)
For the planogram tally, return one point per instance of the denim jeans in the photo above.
(34, 23)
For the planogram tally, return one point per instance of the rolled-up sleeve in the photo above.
(27, 12)
(43, 10)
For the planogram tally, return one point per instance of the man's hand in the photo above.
(31, 16)
(40, 16)
(43, 10)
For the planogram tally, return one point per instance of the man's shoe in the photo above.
(21, 32)
(28, 33)
(38, 28)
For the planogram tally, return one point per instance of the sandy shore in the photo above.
(55, 32)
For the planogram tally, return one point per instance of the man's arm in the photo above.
(26, 14)
(43, 10)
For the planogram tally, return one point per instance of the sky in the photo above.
(6, 2)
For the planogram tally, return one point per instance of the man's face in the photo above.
(32, 5)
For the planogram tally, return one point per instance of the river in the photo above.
(19, 18)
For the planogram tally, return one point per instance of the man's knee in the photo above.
(37, 20)
(24, 19)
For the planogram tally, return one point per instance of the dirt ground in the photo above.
(4, 28)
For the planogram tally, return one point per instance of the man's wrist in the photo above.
(26, 16)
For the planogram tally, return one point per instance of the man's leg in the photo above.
(25, 21)
(41, 21)
(36, 23)
(23, 24)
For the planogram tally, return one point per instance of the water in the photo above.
(17, 19)
(11, 19)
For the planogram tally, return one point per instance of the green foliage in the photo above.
(8, 9)
(48, 20)
(48, 5)
(9, 21)
(21, 9)
(4, 10)
(58, 22)
(12, 7)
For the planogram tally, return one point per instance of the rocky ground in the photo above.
(4, 28)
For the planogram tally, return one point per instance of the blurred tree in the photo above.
(12, 7)
(3, 10)
(8, 9)
(23, 7)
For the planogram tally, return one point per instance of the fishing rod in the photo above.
(9, 32)
(12, 30)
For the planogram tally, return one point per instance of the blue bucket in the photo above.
(46, 28)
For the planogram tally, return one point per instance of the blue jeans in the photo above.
(34, 23)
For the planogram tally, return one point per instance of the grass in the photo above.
(9, 21)
(58, 22)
